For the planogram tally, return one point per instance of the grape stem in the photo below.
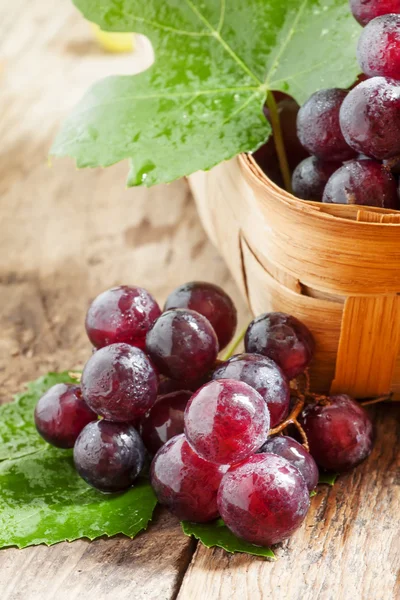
(385, 398)
(278, 141)
(292, 420)
(75, 375)
(231, 349)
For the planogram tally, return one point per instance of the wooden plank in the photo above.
(348, 548)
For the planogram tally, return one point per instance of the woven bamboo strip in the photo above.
(368, 347)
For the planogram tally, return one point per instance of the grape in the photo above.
(318, 126)
(119, 382)
(185, 483)
(370, 118)
(363, 182)
(121, 314)
(226, 421)
(282, 338)
(297, 455)
(266, 156)
(262, 374)
(109, 456)
(366, 10)
(378, 49)
(61, 414)
(310, 177)
(182, 344)
(164, 420)
(167, 385)
(210, 301)
(340, 434)
(263, 500)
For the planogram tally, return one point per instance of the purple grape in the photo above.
(310, 177)
(226, 421)
(164, 420)
(61, 414)
(262, 374)
(182, 344)
(378, 49)
(340, 434)
(119, 383)
(263, 500)
(121, 314)
(364, 182)
(296, 454)
(366, 10)
(185, 483)
(282, 338)
(370, 118)
(318, 126)
(210, 301)
(109, 456)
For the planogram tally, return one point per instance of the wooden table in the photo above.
(67, 235)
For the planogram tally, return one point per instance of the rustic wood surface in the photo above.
(67, 235)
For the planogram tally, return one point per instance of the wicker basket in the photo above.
(335, 267)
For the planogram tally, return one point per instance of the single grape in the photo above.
(109, 456)
(61, 414)
(370, 118)
(310, 177)
(226, 421)
(366, 10)
(363, 182)
(282, 338)
(164, 420)
(378, 50)
(340, 434)
(119, 382)
(121, 314)
(318, 126)
(185, 483)
(262, 374)
(210, 301)
(264, 499)
(182, 344)
(297, 455)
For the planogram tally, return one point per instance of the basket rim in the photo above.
(254, 174)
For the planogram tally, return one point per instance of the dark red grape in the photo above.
(378, 49)
(164, 420)
(182, 344)
(370, 118)
(185, 483)
(264, 499)
(210, 301)
(266, 156)
(109, 456)
(262, 374)
(340, 434)
(119, 382)
(318, 126)
(282, 338)
(364, 182)
(226, 421)
(310, 177)
(297, 455)
(121, 314)
(366, 10)
(61, 414)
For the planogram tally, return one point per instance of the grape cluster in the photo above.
(154, 387)
(352, 136)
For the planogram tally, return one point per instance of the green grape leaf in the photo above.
(328, 478)
(43, 499)
(216, 533)
(201, 101)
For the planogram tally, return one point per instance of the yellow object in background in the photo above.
(112, 41)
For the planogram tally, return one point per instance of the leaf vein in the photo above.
(221, 16)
